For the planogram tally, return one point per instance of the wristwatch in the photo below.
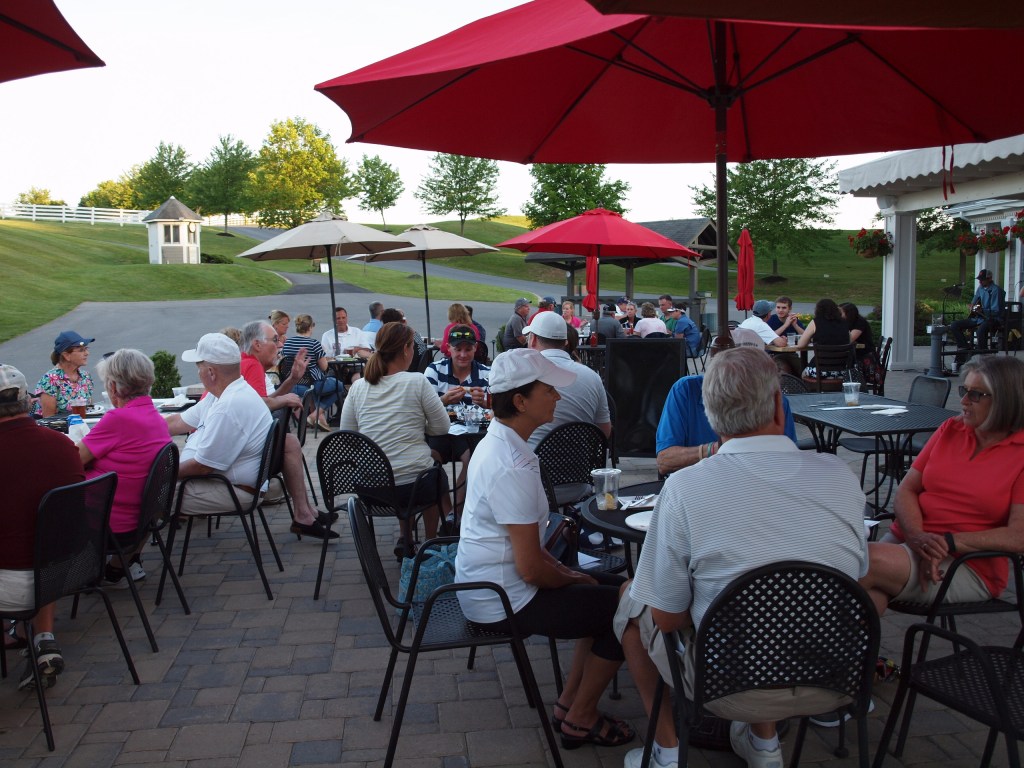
(950, 542)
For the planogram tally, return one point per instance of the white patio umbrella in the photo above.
(325, 237)
(427, 243)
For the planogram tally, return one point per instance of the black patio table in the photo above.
(613, 521)
(892, 433)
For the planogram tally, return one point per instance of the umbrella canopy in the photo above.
(322, 238)
(949, 14)
(35, 39)
(637, 89)
(595, 234)
(428, 243)
(745, 273)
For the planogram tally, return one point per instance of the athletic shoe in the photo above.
(635, 757)
(739, 737)
(49, 661)
(114, 578)
(135, 569)
(831, 719)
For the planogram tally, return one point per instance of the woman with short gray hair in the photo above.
(126, 440)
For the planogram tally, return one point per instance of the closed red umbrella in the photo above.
(35, 39)
(637, 89)
(596, 233)
(745, 273)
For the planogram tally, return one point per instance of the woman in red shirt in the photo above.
(963, 493)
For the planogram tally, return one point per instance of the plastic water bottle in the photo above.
(77, 429)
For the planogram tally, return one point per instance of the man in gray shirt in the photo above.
(608, 326)
(513, 337)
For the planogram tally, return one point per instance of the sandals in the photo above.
(617, 733)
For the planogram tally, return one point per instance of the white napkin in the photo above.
(891, 412)
(462, 429)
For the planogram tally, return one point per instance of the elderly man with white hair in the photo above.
(714, 521)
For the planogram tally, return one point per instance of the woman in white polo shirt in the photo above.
(502, 529)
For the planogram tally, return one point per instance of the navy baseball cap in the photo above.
(69, 339)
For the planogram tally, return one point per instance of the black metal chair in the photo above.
(436, 625)
(781, 625)
(301, 427)
(246, 515)
(984, 683)
(154, 511)
(833, 364)
(69, 563)
(878, 387)
(924, 390)
(568, 454)
(351, 463)
(705, 347)
(794, 385)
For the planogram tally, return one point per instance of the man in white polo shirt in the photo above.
(229, 428)
(713, 522)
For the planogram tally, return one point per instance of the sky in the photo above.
(189, 71)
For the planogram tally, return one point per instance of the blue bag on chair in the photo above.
(436, 570)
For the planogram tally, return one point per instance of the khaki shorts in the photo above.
(212, 498)
(17, 590)
(967, 586)
(761, 706)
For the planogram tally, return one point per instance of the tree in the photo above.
(166, 173)
(379, 185)
(561, 191)
(298, 174)
(778, 201)
(221, 184)
(463, 185)
(114, 194)
(37, 196)
(938, 231)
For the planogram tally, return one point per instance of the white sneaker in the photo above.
(739, 737)
(136, 571)
(635, 757)
(831, 719)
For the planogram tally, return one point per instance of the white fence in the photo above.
(122, 216)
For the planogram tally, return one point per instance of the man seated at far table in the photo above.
(714, 522)
(349, 338)
(787, 362)
(261, 345)
(684, 434)
(682, 327)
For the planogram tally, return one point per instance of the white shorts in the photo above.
(17, 590)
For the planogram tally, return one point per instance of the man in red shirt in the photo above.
(260, 348)
(25, 447)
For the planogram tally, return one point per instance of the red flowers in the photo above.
(871, 243)
(1017, 230)
(994, 241)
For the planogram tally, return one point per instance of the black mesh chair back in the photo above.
(284, 368)
(781, 625)
(438, 624)
(831, 359)
(245, 514)
(791, 385)
(705, 347)
(612, 408)
(308, 409)
(929, 390)
(657, 335)
(885, 347)
(568, 454)
(68, 563)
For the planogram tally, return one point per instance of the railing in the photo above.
(122, 216)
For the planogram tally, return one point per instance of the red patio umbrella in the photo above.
(35, 38)
(745, 273)
(596, 233)
(637, 89)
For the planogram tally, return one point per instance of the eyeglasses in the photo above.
(974, 395)
(272, 340)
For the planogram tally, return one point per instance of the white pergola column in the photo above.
(899, 271)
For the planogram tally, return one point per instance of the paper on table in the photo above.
(642, 501)
(876, 406)
(891, 412)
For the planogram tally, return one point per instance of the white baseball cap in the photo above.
(548, 325)
(214, 348)
(519, 367)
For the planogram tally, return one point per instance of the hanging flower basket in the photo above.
(1017, 229)
(994, 241)
(967, 243)
(871, 243)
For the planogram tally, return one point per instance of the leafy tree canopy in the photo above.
(113, 194)
(778, 201)
(37, 196)
(298, 174)
(562, 190)
(221, 184)
(379, 185)
(166, 173)
(463, 185)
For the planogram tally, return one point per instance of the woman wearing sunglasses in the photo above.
(963, 493)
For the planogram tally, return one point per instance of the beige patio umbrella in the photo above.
(427, 243)
(325, 237)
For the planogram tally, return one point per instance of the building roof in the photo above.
(173, 210)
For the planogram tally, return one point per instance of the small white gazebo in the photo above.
(982, 183)
(174, 230)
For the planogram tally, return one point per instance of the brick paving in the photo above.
(244, 682)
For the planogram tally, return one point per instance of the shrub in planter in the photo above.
(167, 375)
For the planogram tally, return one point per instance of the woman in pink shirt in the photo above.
(125, 441)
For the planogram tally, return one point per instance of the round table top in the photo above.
(613, 521)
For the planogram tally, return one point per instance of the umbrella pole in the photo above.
(426, 295)
(330, 281)
(724, 340)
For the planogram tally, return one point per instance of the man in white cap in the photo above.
(758, 322)
(583, 400)
(230, 428)
(33, 461)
